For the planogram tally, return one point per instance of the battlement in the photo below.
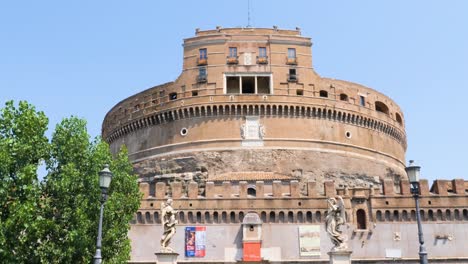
(291, 189)
(287, 202)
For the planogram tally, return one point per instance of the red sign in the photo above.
(252, 251)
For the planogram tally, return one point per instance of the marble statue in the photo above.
(169, 222)
(336, 217)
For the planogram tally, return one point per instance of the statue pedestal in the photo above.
(340, 257)
(166, 258)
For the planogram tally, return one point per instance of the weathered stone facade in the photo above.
(250, 127)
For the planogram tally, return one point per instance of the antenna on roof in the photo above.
(248, 14)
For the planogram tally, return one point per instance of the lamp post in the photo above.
(105, 177)
(413, 172)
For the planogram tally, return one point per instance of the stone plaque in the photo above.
(247, 58)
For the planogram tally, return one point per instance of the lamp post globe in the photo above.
(105, 177)
(413, 171)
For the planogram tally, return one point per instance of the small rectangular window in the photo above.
(292, 77)
(172, 96)
(362, 100)
(194, 93)
(202, 74)
(299, 92)
(202, 71)
(292, 53)
(262, 52)
(233, 52)
(203, 54)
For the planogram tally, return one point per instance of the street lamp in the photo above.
(413, 172)
(105, 177)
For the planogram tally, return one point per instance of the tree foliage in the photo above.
(55, 221)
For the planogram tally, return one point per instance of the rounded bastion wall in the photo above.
(310, 127)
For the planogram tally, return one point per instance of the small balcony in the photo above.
(262, 59)
(201, 78)
(291, 61)
(232, 60)
(292, 78)
(202, 61)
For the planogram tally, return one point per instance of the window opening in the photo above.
(262, 52)
(263, 85)
(232, 85)
(248, 85)
(361, 219)
(323, 93)
(203, 54)
(251, 192)
(173, 96)
(299, 92)
(202, 74)
(362, 100)
(381, 107)
(291, 53)
(343, 97)
(194, 93)
(233, 52)
(292, 77)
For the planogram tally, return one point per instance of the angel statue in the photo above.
(336, 217)
(169, 223)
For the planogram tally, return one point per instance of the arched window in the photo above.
(223, 217)
(199, 219)
(323, 93)
(378, 215)
(207, 218)
(148, 217)
(233, 217)
(318, 216)
(381, 107)
(263, 217)
(241, 216)
(182, 217)
(361, 219)
(215, 217)
(140, 218)
(404, 215)
(272, 217)
(251, 192)
(300, 217)
(344, 97)
(398, 118)
(190, 218)
(309, 217)
(290, 217)
(281, 217)
(156, 217)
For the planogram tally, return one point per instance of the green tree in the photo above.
(58, 218)
(22, 147)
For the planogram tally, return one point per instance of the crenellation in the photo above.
(226, 190)
(295, 191)
(439, 187)
(424, 187)
(192, 190)
(260, 189)
(160, 190)
(144, 188)
(458, 186)
(277, 189)
(243, 189)
(405, 187)
(388, 187)
(209, 191)
(176, 188)
(312, 189)
(330, 190)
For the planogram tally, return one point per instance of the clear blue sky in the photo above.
(82, 57)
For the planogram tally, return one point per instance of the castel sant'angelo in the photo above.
(249, 142)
